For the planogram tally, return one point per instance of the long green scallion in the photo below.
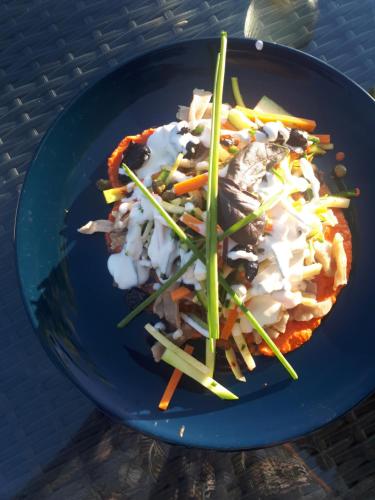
(213, 188)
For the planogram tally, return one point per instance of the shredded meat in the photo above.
(305, 312)
(96, 226)
(166, 308)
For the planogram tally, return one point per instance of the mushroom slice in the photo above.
(198, 106)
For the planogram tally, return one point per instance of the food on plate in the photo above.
(222, 225)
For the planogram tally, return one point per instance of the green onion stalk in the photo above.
(213, 189)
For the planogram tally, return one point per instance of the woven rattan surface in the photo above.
(54, 444)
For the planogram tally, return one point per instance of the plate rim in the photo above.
(248, 44)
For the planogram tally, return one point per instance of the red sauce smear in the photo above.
(114, 161)
(299, 332)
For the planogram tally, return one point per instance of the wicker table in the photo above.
(54, 443)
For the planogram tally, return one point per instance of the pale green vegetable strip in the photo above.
(334, 202)
(172, 209)
(239, 120)
(201, 295)
(236, 92)
(213, 189)
(177, 350)
(267, 339)
(242, 347)
(267, 105)
(234, 366)
(180, 363)
(174, 167)
(210, 355)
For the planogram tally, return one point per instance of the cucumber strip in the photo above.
(267, 105)
(334, 202)
(239, 120)
(176, 350)
(209, 383)
(242, 347)
(172, 209)
(233, 364)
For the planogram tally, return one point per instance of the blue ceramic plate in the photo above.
(69, 294)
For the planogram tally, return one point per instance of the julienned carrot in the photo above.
(180, 293)
(173, 383)
(323, 138)
(190, 184)
(231, 320)
(289, 121)
(195, 224)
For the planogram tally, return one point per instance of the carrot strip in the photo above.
(173, 383)
(190, 184)
(289, 121)
(340, 155)
(114, 161)
(195, 224)
(228, 326)
(324, 138)
(180, 293)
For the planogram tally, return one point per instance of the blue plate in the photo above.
(69, 294)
